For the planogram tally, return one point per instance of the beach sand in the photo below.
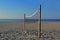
(4, 26)
(46, 27)
(50, 26)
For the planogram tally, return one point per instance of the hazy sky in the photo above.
(15, 9)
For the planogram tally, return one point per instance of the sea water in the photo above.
(29, 20)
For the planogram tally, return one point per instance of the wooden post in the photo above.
(39, 23)
(24, 22)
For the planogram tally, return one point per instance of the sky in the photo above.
(15, 9)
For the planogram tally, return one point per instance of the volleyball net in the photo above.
(33, 21)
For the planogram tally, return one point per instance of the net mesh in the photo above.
(33, 16)
(31, 21)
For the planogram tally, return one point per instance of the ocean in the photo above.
(11, 20)
(29, 20)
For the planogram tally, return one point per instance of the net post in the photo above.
(24, 23)
(39, 23)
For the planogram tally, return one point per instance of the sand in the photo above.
(18, 26)
(50, 26)
(4, 26)
(7, 26)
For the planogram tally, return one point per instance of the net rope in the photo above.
(35, 15)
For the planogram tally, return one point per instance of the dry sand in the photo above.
(18, 26)
(5, 26)
(50, 26)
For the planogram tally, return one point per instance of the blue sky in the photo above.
(15, 9)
